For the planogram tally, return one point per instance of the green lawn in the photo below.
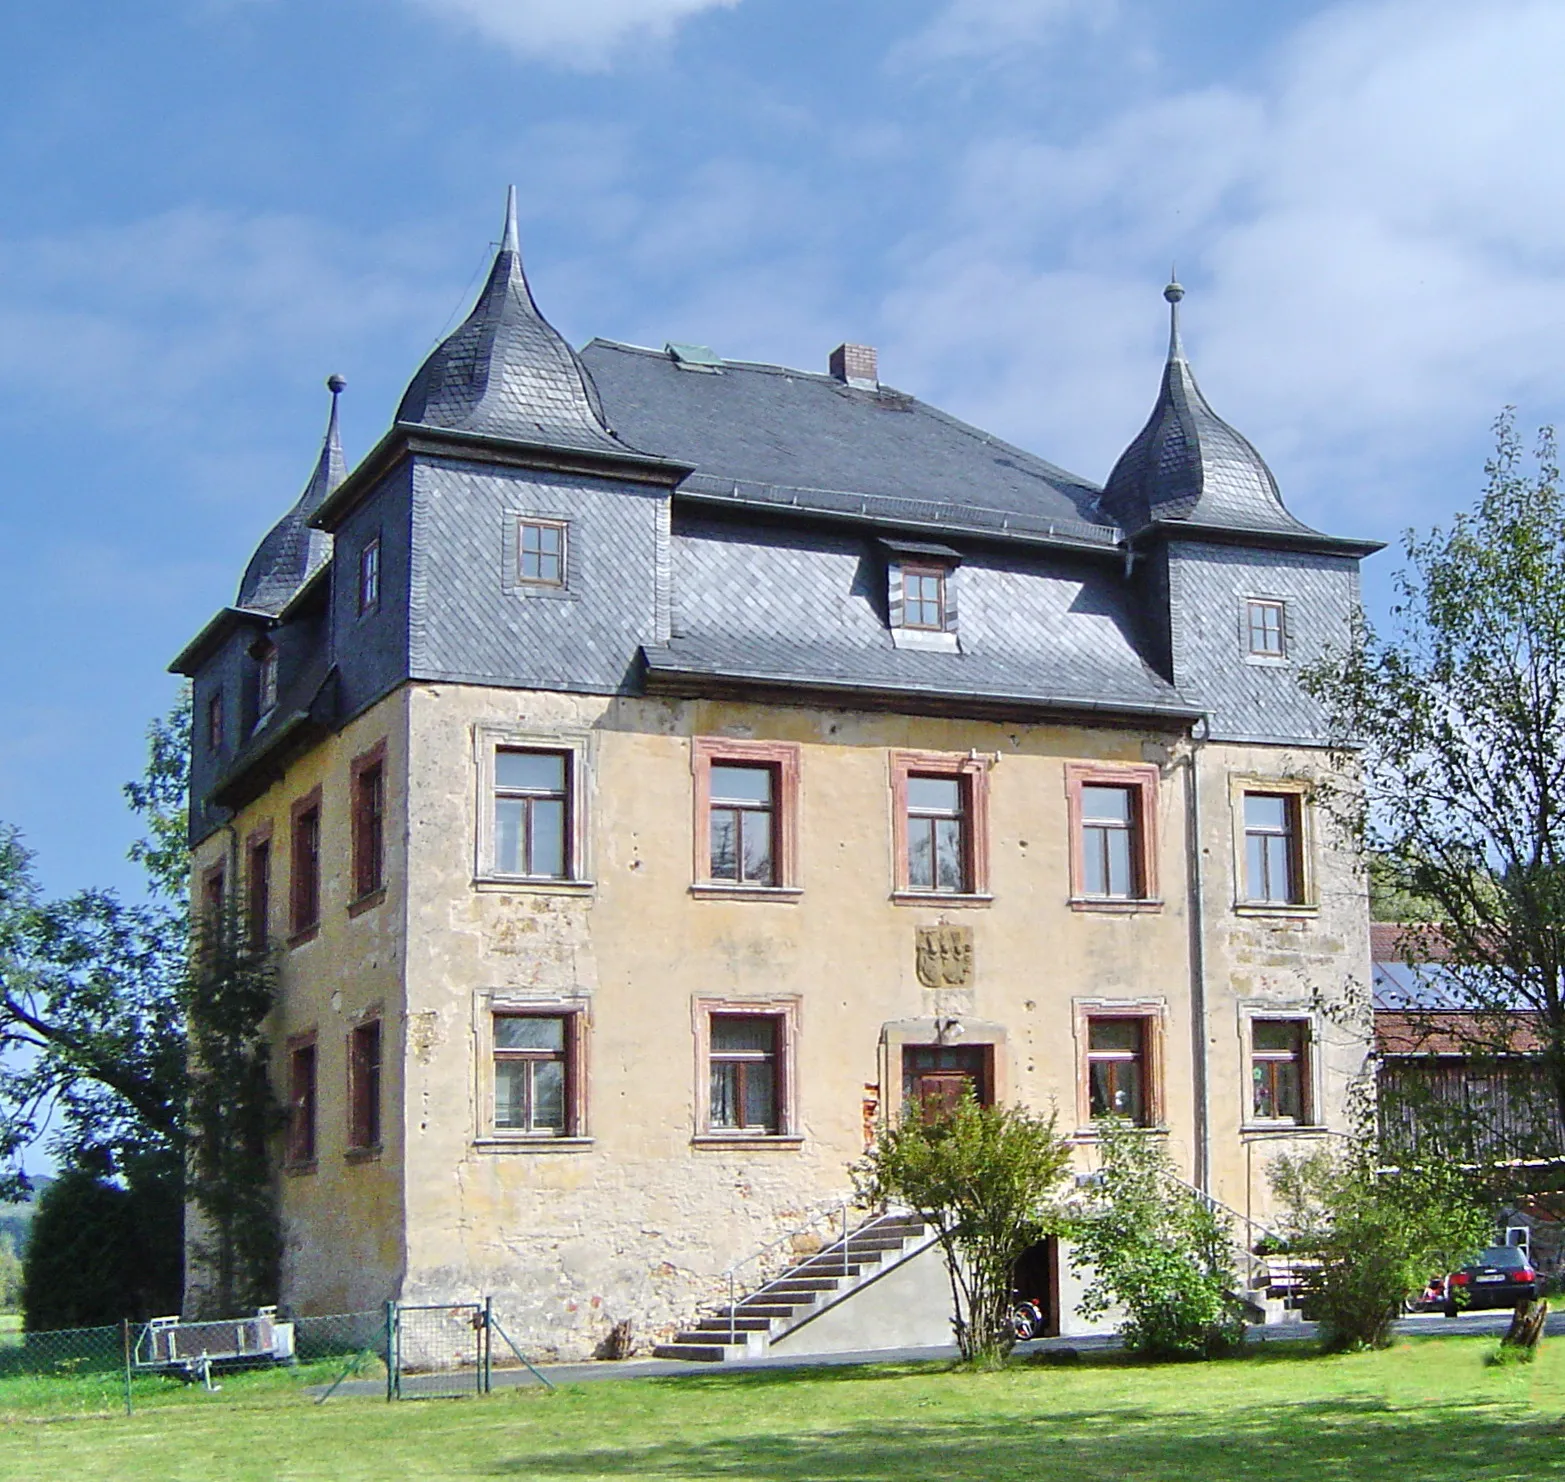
(1428, 1410)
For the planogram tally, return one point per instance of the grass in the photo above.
(1429, 1410)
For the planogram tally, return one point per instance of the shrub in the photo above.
(985, 1178)
(1157, 1249)
(1379, 1234)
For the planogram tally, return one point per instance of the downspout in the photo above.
(1193, 871)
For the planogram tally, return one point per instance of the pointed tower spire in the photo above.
(506, 372)
(292, 552)
(1187, 464)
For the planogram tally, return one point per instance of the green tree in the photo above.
(986, 1179)
(1453, 721)
(1378, 1234)
(1155, 1248)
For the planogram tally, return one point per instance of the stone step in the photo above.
(803, 1286)
(706, 1326)
(710, 1353)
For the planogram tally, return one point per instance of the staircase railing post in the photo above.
(733, 1311)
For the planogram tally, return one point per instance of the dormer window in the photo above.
(921, 594)
(924, 598)
(266, 682)
(1265, 627)
(214, 722)
(541, 553)
(369, 576)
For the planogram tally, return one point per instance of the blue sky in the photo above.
(206, 206)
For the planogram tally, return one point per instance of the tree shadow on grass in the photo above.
(1324, 1441)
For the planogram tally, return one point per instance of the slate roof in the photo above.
(771, 607)
(1188, 465)
(292, 552)
(765, 435)
(506, 372)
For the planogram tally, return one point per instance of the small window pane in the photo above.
(1116, 1089)
(743, 1034)
(536, 771)
(949, 872)
(759, 1096)
(1105, 804)
(758, 848)
(1114, 1034)
(1288, 1099)
(548, 853)
(742, 785)
(529, 1032)
(934, 794)
(548, 1094)
(510, 831)
(725, 1094)
(921, 854)
(1117, 848)
(725, 844)
(1265, 811)
(1276, 1035)
(510, 1093)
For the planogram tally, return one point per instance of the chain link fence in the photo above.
(405, 1351)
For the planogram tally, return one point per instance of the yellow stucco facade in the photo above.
(638, 1210)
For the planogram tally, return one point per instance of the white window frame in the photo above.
(577, 1010)
(579, 748)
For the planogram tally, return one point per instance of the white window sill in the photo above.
(1298, 912)
(747, 1141)
(1114, 905)
(717, 890)
(939, 898)
(1268, 661)
(1095, 1134)
(927, 639)
(535, 885)
(538, 1143)
(1282, 1129)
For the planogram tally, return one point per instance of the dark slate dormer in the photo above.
(292, 552)
(506, 372)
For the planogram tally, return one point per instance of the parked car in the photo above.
(1500, 1276)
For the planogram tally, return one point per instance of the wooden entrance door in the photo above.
(935, 1076)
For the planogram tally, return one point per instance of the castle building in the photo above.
(655, 769)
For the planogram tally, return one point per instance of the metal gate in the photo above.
(437, 1351)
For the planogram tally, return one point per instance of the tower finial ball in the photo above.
(1173, 293)
(335, 384)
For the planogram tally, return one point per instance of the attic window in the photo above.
(695, 358)
(266, 682)
(921, 594)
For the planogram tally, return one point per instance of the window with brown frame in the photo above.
(534, 1074)
(1266, 633)
(541, 553)
(924, 597)
(214, 721)
(1273, 850)
(364, 1046)
(744, 1071)
(532, 813)
(940, 823)
(1279, 1070)
(369, 824)
(258, 890)
(1113, 822)
(305, 882)
(369, 575)
(746, 795)
(1117, 1082)
(213, 885)
(301, 1103)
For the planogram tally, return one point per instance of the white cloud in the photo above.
(588, 34)
(1372, 239)
(965, 30)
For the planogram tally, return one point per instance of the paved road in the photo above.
(1429, 1324)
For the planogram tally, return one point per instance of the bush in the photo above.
(1378, 1234)
(1158, 1250)
(985, 1178)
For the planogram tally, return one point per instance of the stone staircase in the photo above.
(747, 1326)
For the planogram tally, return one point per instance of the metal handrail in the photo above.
(836, 1213)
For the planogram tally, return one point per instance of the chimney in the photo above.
(855, 364)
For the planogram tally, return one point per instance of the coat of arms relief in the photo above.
(944, 956)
